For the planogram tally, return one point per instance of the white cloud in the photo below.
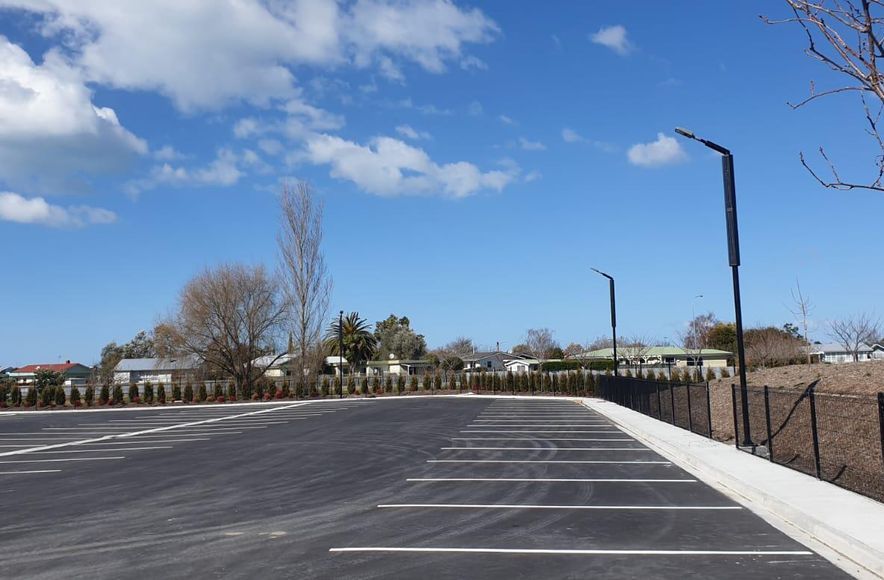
(409, 132)
(471, 62)
(162, 45)
(613, 37)
(389, 167)
(225, 170)
(664, 151)
(571, 136)
(531, 145)
(36, 210)
(49, 127)
(505, 120)
(390, 70)
(475, 108)
(167, 153)
(532, 176)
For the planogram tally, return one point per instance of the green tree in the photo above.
(360, 344)
(141, 346)
(47, 378)
(395, 337)
(722, 336)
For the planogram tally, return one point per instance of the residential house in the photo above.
(661, 356)
(278, 366)
(834, 353)
(522, 365)
(877, 352)
(398, 367)
(73, 373)
(155, 370)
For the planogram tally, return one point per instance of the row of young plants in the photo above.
(683, 375)
(574, 383)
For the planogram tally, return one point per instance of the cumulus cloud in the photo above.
(225, 170)
(531, 145)
(161, 45)
(571, 136)
(613, 37)
(49, 127)
(36, 210)
(664, 151)
(390, 167)
(411, 133)
(505, 120)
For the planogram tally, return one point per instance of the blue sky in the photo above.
(474, 160)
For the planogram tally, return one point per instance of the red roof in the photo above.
(59, 368)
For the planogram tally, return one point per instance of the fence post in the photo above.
(813, 431)
(659, 403)
(734, 409)
(767, 423)
(708, 410)
(690, 414)
(881, 421)
(672, 401)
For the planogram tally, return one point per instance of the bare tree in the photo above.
(801, 311)
(770, 346)
(845, 36)
(540, 343)
(228, 317)
(696, 337)
(853, 333)
(306, 281)
(635, 351)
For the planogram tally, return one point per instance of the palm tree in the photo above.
(360, 344)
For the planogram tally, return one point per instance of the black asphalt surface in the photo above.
(295, 492)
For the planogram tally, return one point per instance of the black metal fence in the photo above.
(836, 438)
(684, 405)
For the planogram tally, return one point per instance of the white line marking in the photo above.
(539, 461)
(549, 480)
(541, 425)
(164, 430)
(94, 450)
(30, 471)
(540, 439)
(151, 441)
(536, 431)
(545, 448)
(584, 552)
(68, 459)
(556, 507)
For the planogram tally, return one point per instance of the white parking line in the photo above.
(611, 430)
(545, 448)
(583, 552)
(68, 459)
(540, 461)
(151, 441)
(557, 507)
(30, 471)
(94, 450)
(205, 423)
(569, 425)
(541, 439)
(547, 480)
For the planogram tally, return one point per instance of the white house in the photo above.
(661, 355)
(155, 370)
(278, 366)
(878, 352)
(522, 365)
(397, 367)
(835, 353)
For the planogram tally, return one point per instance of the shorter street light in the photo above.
(341, 353)
(613, 315)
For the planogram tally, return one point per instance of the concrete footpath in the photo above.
(842, 526)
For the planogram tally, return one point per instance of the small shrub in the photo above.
(75, 396)
(15, 397)
(188, 393)
(400, 384)
(351, 384)
(203, 394)
(376, 385)
(260, 387)
(148, 392)
(219, 399)
(89, 396)
(176, 392)
(218, 391)
(412, 383)
(427, 381)
(388, 383)
(710, 374)
(31, 397)
(4, 395)
(133, 392)
(725, 373)
(363, 387)
(452, 383)
(47, 396)
(323, 386)
(286, 390)
(60, 396)
(161, 394)
(246, 392)
(231, 392)
(279, 394)
(117, 398)
(104, 395)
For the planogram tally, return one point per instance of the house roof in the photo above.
(182, 363)
(834, 347)
(396, 361)
(526, 361)
(335, 361)
(273, 360)
(654, 351)
(57, 367)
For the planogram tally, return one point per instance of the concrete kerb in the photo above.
(843, 527)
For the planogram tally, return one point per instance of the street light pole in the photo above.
(613, 315)
(733, 247)
(341, 353)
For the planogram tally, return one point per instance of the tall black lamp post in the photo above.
(733, 247)
(341, 353)
(613, 316)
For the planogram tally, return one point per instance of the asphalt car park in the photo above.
(443, 487)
